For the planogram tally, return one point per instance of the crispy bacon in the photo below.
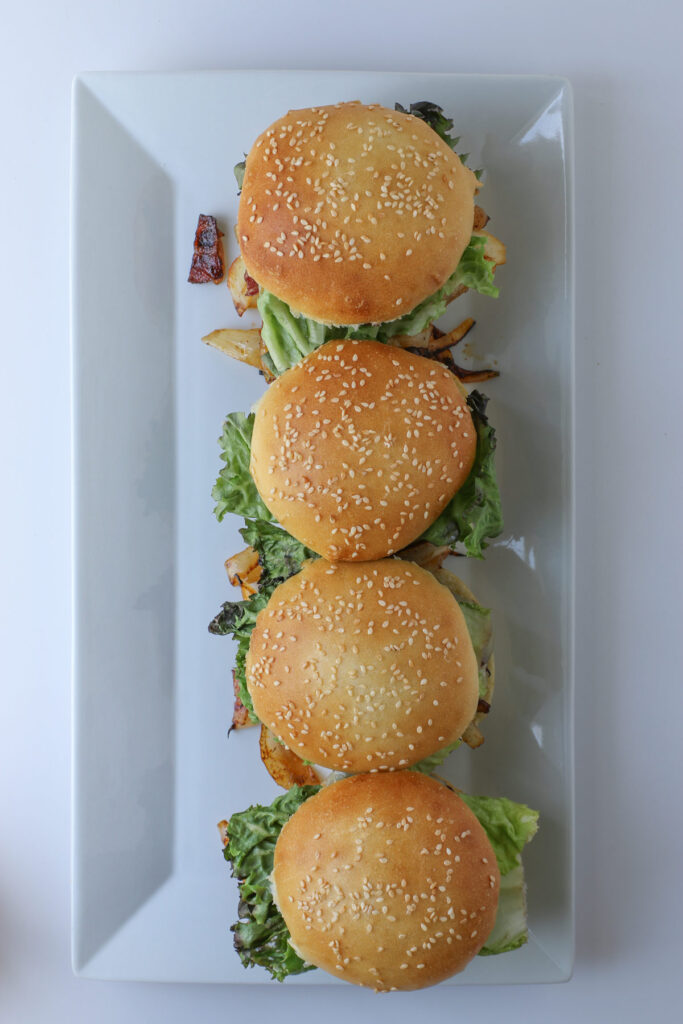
(252, 287)
(207, 259)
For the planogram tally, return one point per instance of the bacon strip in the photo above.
(207, 259)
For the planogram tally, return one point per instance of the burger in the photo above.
(390, 881)
(361, 450)
(363, 668)
(360, 447)
(373, 666)
(355, 221)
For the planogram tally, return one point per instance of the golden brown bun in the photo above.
(387, 881)
(358, 449)
(363, 667)
(353, 214)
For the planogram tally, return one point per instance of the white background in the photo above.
(624, 60)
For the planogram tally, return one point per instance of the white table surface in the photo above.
(624, 61)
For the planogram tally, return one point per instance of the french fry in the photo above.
(283, 765)
(243, 288)
(481, 219)
(454, 337)
(422, 340)
(243, 567)
(472, 736)
(494, 249)
(475, 376)
(460, 290)
(241, 343)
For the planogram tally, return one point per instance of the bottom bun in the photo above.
(386, 880)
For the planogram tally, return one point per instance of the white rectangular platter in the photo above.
(153, 771)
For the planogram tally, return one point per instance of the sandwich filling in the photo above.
(289, 336)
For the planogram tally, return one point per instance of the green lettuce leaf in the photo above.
(509, 826)
(510, 930)
(261, 935)
(237, 619)
(428, 765)
(480, 628)
(289, 337)
(235, 490)
(280, 555)
(474, 271)
(478, 621)
(239, 170)
(434, 116)
(474, 514)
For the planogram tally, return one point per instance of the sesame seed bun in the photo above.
(363, 667)
(358, 449)
(387, 881)
(353, 214)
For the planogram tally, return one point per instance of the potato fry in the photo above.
(422, 340)
(453, 337)
(243, 288)
(243, 567)
(460, 290)
(472, 736)
(494, 249)
(241, 343)
(475, 376)
(481, 219)
(283, 765)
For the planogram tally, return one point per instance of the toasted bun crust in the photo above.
(358, 448)
(353, 214)
(387, 881)
(363, 667)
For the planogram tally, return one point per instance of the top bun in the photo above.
(363, 667)
(353, 214)
(387, 881)
(357, 449)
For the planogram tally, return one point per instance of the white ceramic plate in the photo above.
(153, 771)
